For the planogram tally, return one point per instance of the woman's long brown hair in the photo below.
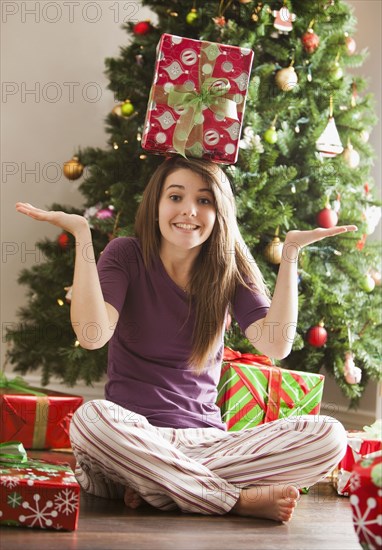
(223, 263)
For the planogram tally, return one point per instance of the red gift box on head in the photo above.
(197, 99)
(36, 493)
(38, 418)
(366, 500)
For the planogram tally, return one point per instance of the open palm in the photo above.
(304, 238)
(71, 223)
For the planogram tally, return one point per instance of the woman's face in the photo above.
(186, 211)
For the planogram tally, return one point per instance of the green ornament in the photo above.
(127, 108)
(270, 135)
(192, 17)
(336, 71)
(368, 283)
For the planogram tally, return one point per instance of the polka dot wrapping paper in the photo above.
(197, 99)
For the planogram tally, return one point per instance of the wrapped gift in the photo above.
(197, 100)
(360, 445)
(252, 391)
(35, 493)
(366, 501)
(38, 418)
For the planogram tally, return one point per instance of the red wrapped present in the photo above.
(35, 493)
(360, 444)
(39, 419)
(197, 99)
(366, 501)
(252, 391)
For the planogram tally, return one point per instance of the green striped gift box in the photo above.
(251, 393)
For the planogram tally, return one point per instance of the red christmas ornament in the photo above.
(317, 336)
(327, 217)
(142, 28)
(63, 241)
(310, 41)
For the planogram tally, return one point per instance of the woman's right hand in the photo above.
(72, 223)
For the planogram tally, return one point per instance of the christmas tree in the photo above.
(304, 161)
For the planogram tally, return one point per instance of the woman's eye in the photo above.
(174, 197)
(205, 201)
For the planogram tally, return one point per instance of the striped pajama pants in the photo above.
(198, 470)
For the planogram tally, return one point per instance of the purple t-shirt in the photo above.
(148, 372)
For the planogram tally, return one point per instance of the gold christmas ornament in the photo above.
(351, 156)
(286, 79)
(73, 169)
(274, 250)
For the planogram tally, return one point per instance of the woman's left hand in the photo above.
(295, 240)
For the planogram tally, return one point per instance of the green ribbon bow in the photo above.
(18, 384)
(211, 96)
(13, 453)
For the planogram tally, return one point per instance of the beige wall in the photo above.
(55, 99)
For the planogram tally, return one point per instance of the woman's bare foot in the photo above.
(131, 498)
(275, 502)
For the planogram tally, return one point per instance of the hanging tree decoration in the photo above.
(350, 44)
(192, 17)
(317, 335)
(329, 143)
(142, 27)
(125, 109)
(220, 20)
(327, 217)
(367, 283)
(351, 156)
(283, 19)
(352, 374)
(310, 40)
(73, 169)
(257, 10)
(270, 135)
(63, 241)
(336, 71)
(286, 79)
(274, 250)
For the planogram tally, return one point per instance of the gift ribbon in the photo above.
(272, 408)
(212, 94)
(42, 406)
(18, 384)
(232, 355)
(13, 453)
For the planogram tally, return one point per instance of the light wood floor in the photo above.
(321, 521)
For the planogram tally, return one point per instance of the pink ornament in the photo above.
(104, 214)
(351, 45)
(352, 373)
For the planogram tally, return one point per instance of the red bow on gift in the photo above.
(247, 358)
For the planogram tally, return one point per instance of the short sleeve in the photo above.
(117, 267)
(249, 306)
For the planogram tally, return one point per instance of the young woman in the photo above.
(161, 299)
